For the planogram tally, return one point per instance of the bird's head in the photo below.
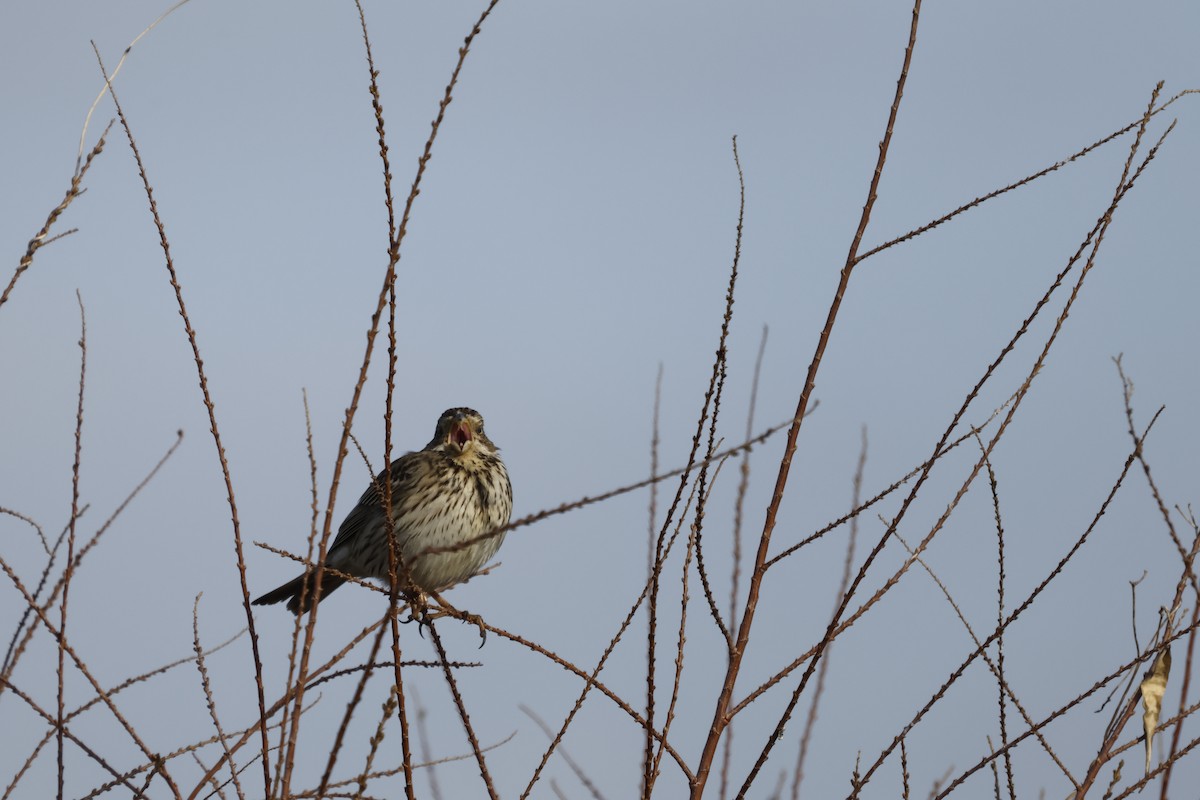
(460, 432)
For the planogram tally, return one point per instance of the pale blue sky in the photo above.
(574, 232)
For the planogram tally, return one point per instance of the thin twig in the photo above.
(53, 723)
(978, 201)
(340, 737)
(372, 332)
(288, 695)
(681, 637)
(394, 558)
(15, 650)
(721, 715)
(592, 682)
(652, 557)
(719, 373)
(108, 80)
(1187, 667)
(736, 555)
(208, 697)
(1093, 239)
(1002, 686)
(82, 667)
(462, 710)
(1127, 394)
(120, 687)
(1097, 686)
(68, 573)
(429, 765)
(1005, 687)
(293, 649)
(209, 406)
(590, 679)
(811, 720)
(1096, 238)
(389, 707)
(1029, 600)
(41, 239)
(588, 783)
(435, 790)
(30, 521)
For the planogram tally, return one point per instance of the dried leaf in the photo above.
(1153, 687)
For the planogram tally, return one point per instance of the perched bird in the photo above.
(454, 490)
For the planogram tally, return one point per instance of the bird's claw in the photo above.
(477, 621)
(446, 610)
(418, 612)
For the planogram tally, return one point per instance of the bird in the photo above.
(454, 490)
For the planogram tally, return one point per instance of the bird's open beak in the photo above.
(461, 433)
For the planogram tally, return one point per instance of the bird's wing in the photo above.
(370, 506)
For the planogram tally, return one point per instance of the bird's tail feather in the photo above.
(292, 590)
